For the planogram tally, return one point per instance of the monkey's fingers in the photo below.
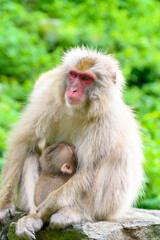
(12, 211)
(26, 234)
(3, 214)
(2, 221)
(28, 225)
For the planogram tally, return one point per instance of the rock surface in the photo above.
(136, 224)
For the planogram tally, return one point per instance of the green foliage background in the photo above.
(33, 35)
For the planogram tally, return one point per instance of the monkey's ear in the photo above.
(66, 168)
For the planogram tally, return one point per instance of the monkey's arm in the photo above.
(68, 195)
(20, 146)
(23, 141)
(11, 175)
(114, 187)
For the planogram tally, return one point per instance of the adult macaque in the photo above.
(58, 163)
(80, 102)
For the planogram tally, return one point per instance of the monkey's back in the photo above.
(47, 183)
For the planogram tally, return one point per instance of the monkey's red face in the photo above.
(78, 81)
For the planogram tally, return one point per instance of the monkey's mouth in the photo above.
(73, 148)
(74, 101)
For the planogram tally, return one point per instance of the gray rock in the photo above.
(137, 224)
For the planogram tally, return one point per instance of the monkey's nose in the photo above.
(73, 89)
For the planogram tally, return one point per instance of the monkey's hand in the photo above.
(5, 209)
(49, 206)
(28, 225)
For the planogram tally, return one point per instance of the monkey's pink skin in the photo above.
(78, 82)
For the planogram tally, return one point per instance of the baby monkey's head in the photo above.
(59, 158)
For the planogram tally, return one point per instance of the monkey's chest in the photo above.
(64, 132)
(67, 137)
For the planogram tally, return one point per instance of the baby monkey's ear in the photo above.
(67, 168)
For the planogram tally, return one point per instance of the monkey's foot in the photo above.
(65, 217)
(5, 211)
(28, 225)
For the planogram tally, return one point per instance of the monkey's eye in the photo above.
(73, 74)
(85, 78)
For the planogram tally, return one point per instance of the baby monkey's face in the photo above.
(59, 158)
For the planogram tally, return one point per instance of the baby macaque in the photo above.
(58, 163)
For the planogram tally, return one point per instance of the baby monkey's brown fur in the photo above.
(58, 163)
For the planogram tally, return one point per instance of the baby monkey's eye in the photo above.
(85, 78)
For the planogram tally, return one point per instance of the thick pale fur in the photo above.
(65, 217)
(103, 130)
(30, 175)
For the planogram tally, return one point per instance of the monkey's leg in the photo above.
(11, 173)
(65, 217)
(116, 185)
(30, 175)
(28, 225)
(13, 169)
